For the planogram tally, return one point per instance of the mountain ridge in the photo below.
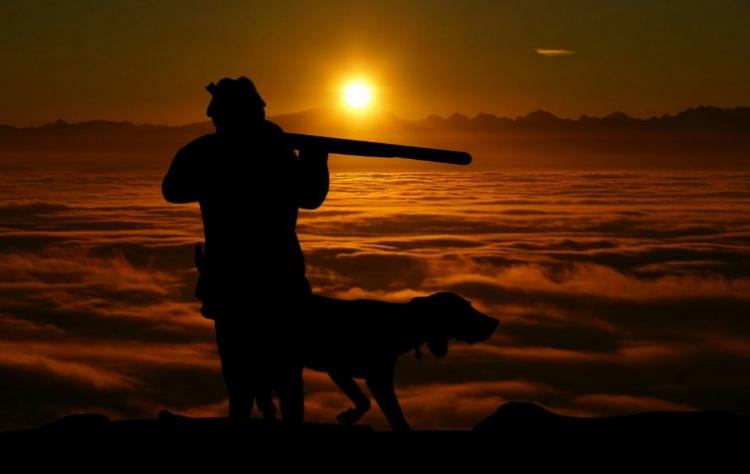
(703, 115)
(703, 137)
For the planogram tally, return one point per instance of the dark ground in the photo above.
(515, 425)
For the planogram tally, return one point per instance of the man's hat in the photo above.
(233, 94)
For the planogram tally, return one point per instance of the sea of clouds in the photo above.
(618, 292)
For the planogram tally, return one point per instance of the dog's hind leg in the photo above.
(351, 388)
(381, 386)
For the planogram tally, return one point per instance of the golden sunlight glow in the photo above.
(358, 95)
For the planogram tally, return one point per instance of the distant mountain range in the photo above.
(697, 137)
(698, 119)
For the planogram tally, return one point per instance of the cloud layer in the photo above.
(618, 292)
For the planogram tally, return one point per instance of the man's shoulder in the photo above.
(272, 129)
(273, 136)
(205, 140)
(200, 144)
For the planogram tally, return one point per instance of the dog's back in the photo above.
(353, 335)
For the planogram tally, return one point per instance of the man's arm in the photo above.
(312, 178)
(308, 171)
(182, 182)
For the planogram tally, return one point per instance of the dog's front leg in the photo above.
(381, 386)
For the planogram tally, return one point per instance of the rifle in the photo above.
(342, 146)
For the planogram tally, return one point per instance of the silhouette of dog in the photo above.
(364, 338)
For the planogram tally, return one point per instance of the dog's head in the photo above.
(449, 316)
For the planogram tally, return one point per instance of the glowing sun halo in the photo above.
(357, 95)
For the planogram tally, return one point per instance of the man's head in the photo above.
(235, 105)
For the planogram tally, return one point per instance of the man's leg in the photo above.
(290, 390)
(259, 378)
(264, 399)
(288, 374)
(233, 369)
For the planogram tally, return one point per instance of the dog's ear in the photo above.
(438, 346)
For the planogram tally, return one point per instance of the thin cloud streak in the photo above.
(554, 52)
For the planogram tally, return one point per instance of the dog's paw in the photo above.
(350, 416)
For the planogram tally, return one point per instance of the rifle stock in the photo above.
(342, 146)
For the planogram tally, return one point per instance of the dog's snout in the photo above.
(490, 325)
(479, 329)
(483, 328)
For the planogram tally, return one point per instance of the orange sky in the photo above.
(148, 62)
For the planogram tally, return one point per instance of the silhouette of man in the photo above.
(250, 185)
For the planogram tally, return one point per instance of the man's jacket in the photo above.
(250, 188)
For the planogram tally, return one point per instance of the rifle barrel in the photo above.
(342, 146)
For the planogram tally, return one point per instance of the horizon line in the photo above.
(423, 118)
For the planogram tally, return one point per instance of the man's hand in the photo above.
(312, 178)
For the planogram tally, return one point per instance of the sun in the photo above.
(358, 95)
